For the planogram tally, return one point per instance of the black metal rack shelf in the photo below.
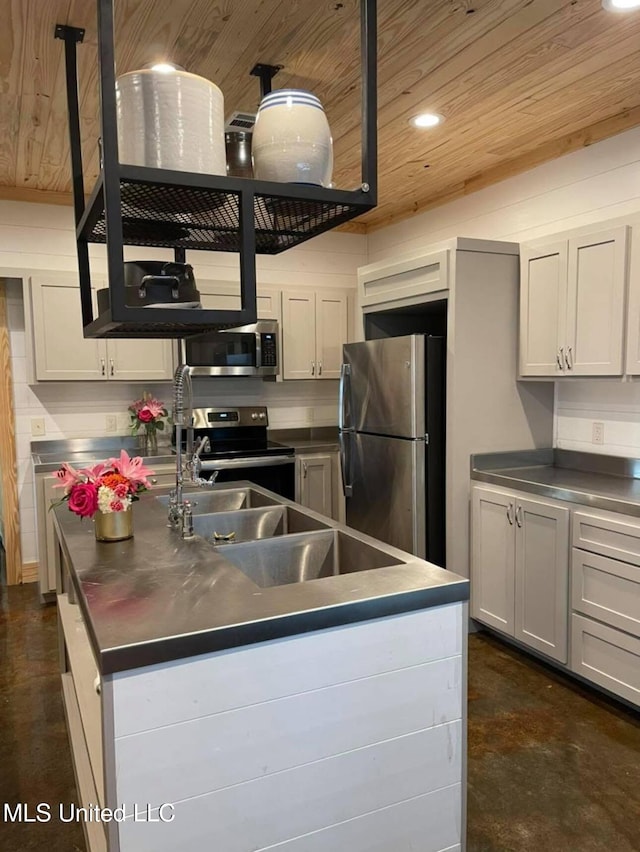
(139, 206)
(193, 211)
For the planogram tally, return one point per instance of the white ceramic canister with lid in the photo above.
(292, 139)
(170, 119)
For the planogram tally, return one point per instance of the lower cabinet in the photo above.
(314, 482)
(520, 568)
(605, 602)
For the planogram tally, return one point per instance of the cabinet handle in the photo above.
(103, 367)
(570, 358)
(304, 470)
(154, 481)
(510, 513)
(559, 358)
(112, 370)
(319, 368)
(563, 358)
(313, 368)
(519, 516)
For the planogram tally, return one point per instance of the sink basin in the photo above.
(301, 557)
(252, 524)
(205, 501)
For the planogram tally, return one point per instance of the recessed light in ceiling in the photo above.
(426, 119)
(620, 5)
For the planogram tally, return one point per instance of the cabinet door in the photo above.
(219, 295)
(315, 489)
(268, 303)
(543, 291)
(47, 544)
(331, 332)
(139, 360)
(61, 352)
(298, 334)
(492, 558)
(542, 577)
(595, 303)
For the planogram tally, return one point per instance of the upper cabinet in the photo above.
(572, 305)
(225, 296)
(61, 353)
(314, 328)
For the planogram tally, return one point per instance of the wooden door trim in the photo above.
(8, 465)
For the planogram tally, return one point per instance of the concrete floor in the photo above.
(553, 766)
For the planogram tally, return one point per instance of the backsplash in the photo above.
(614, 404)
(79, 409)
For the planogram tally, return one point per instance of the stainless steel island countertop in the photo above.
(157, 597)
(604, 482)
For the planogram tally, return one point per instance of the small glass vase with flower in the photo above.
(105, 492)
(147, 420)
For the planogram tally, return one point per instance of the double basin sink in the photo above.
(275, 544)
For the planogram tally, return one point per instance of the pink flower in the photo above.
(117, 506)
(94, 473)
(154, 407)
(121, 490)
(67, 475)
(83, 499)
(145, 415)
(132, 469)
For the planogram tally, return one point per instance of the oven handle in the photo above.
(260, 461)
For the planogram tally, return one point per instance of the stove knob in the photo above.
(261, 415)
(254, 416)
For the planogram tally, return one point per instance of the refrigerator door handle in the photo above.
(345, 370)
(347, 488)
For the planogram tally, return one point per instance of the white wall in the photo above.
(40, 237)
(587, 187)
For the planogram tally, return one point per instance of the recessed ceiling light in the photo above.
(426, 119)
(620, 5)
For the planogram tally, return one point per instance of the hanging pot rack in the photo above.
(142, 206)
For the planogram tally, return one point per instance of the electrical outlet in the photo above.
(37, 426)
(597, 434)
(111, 423)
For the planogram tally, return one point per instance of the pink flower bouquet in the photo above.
(110, 486)
(147, 412)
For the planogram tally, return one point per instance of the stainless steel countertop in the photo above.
(156, 597)
(47, 456)
(594, 480)
(315, 439)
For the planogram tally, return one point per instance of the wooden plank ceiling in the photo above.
(518, 82)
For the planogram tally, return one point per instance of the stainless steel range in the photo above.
(239, 448)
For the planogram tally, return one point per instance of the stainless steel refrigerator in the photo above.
(391, 419)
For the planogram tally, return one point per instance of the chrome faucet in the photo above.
(181, 510)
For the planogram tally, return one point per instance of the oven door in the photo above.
(276, 473)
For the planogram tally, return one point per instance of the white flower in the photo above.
(108, 499)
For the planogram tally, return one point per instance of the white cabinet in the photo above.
(225, 295)
(572, 305)
(520, 568)
(61, 353)
(314, 328)
(314, 482)
(406, 280)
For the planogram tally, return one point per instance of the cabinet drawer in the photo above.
(163, 480)
(613, 538)
(606, 656)
(606, 589)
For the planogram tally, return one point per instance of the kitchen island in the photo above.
(225, 707)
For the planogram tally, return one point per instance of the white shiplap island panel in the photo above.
(346, 738)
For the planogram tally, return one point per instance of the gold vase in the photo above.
(114, 526)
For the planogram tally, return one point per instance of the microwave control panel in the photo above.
(268, 346)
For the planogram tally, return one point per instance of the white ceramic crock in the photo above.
(292, 140)
(170, 120)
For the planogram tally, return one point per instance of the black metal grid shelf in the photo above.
(193, 211)
(136, 206)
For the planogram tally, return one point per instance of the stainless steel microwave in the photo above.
(249, 350)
